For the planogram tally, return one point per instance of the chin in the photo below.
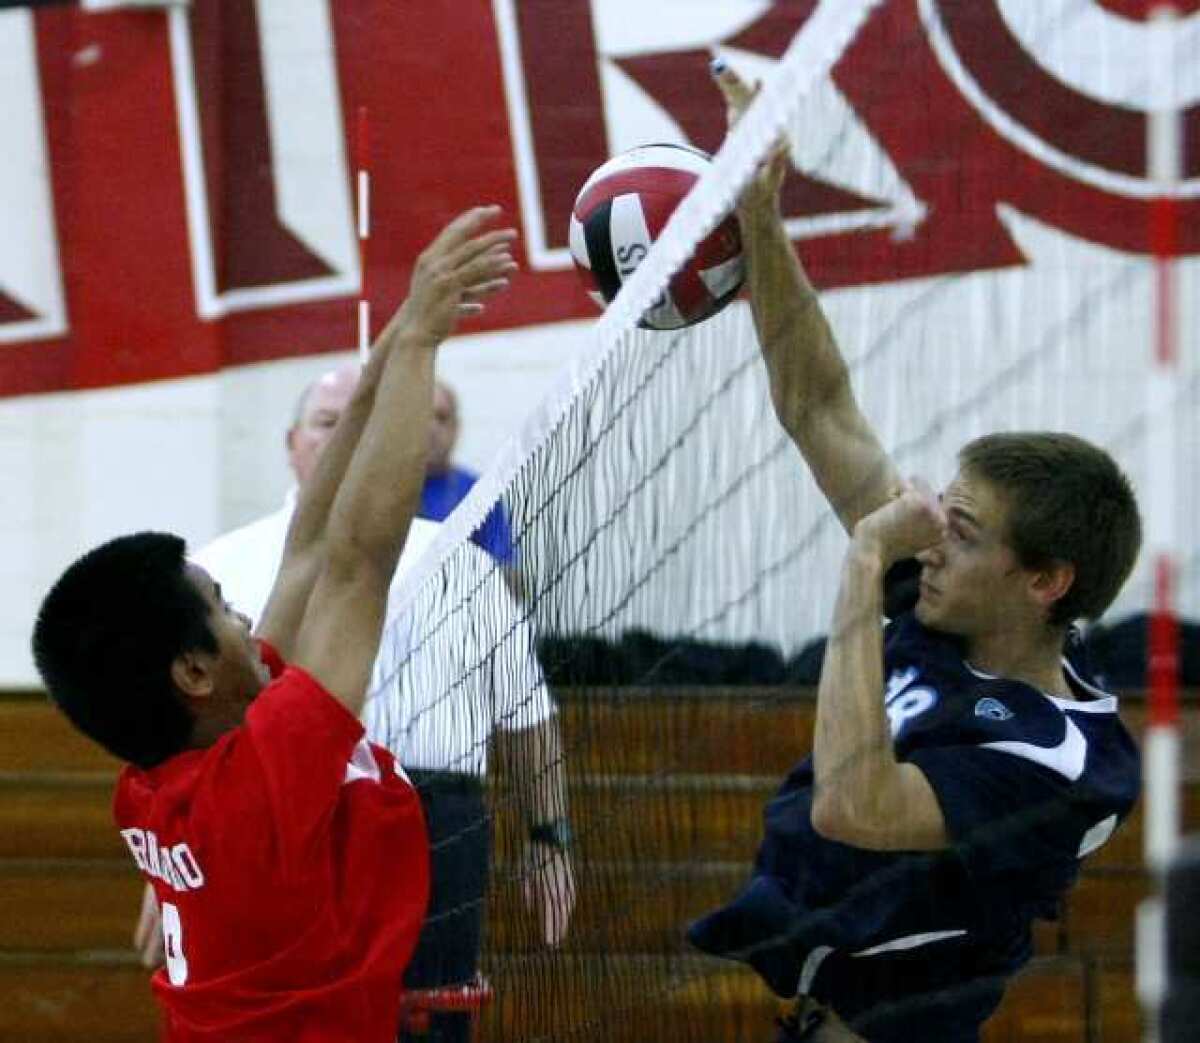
(928, 616)
(925, 615)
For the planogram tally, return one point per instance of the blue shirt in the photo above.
(901, 944)
(443, 492)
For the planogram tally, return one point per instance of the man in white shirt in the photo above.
(441, 742)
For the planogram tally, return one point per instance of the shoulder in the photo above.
(454, 479)
(421, 535)
(1113, 772)
(1076, 744)
(166, 791)
(131, 796)
(238, 545)
(300, 700)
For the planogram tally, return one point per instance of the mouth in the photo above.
(928, 591)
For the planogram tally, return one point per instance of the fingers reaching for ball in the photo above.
(464, 265)
(763, 190)
(737, 92)
(463, 228)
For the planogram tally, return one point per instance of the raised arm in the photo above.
(810, 384)
(374, 502)
(304, 549)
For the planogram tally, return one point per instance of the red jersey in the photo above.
(291, 863)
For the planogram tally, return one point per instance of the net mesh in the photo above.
(638, 667)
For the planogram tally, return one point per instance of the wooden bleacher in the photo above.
(684, 770)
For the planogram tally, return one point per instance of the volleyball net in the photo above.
(637, 669)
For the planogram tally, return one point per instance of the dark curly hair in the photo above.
(106, 636)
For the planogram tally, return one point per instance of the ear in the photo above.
(293, 435)
(193, 675)
(1051, 583)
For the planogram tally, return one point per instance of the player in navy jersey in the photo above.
(963, 762)
(288, 854)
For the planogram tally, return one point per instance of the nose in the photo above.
(932, 557)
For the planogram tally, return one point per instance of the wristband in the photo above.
(555, 833)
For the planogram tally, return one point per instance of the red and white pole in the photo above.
(363, 206)
(1161, 744)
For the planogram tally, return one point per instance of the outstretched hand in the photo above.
(912, 521)
(456, 273)
(763, 189)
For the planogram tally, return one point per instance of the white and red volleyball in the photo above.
(621, 211)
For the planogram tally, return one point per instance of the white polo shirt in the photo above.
(437, 708)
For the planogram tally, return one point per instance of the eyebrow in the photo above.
(958, 514)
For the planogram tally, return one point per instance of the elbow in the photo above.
(790, 409)
(831, 819)
(857, 823)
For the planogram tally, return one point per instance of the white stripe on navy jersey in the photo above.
(909, 941)
(1068, 758)
(905, 943)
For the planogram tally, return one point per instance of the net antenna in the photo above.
(1164, 389)
(362, 161)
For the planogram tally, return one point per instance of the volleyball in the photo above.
(620, 212)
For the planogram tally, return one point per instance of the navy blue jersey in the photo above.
(899, 943)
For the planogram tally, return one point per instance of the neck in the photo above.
(207, 730)
(1034, 657)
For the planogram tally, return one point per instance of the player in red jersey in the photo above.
(289, 854)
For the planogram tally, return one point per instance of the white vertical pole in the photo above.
(363, 200)
(1161, 746)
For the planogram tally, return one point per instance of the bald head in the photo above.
(317, 412)
(322, 403)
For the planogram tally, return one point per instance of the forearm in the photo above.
(310, 519)
(304, 549)
(852, 748)
(377, 498)
(538, 770)
(863, 795)
(805, 368)
(810, 384)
